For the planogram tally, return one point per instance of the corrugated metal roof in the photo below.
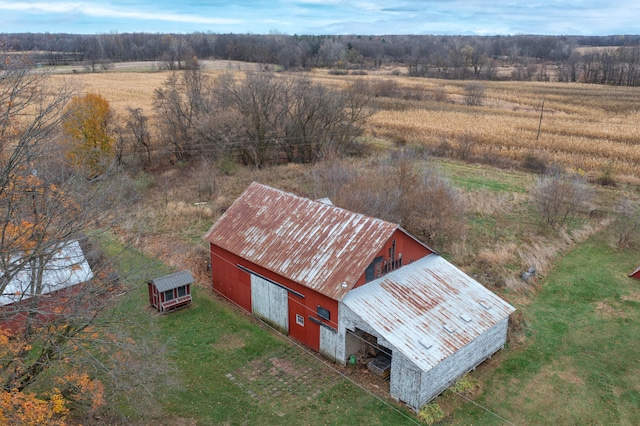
(171, 281)
(428, 309)
(312, 243)
(67, 267)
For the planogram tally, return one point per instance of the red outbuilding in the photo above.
(61, 277)
(333, 279)
(171, 291)
(636, 273)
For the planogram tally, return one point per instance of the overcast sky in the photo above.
(367, 17)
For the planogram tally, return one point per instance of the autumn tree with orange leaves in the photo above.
(90, 145)
(44, 210)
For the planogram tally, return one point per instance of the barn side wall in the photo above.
(445, 373)
(235, 284)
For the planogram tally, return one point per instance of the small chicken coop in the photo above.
(171, 291)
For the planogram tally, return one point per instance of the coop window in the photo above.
(168, 295)
(182, 291)
(324, 313)
(299, 320)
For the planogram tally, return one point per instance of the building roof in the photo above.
(309, 242)
(171, 281)
(428, 309)
(635, 272)
(67, 267)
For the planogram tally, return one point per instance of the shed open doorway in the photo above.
(363, 348)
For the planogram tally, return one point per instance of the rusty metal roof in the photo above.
(171, 281)
(428, 309)
(309, 242)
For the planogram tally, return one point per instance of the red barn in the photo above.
(290, 260)
(329, 277)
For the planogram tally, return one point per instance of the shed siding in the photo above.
(270, 303)
(405, 381)
(444, 374)
(329, 343)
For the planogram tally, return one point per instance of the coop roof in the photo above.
(171, 281)
(66, 268)
(313, 243)
(428, 309)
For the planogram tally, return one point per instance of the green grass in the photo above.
(224, 367)
(472, 177)
(580, 364)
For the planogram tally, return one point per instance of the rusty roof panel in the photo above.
(428, 309)
(310, 242)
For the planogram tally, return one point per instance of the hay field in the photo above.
(584, 127)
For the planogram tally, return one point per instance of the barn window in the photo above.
(168, 295)
(324, 313)
(299, 320)
(182, 291)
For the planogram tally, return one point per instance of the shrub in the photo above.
(465, 385)
(534, 164)
(431, 414)
(606, 176)
(474, 93)
(559, 197)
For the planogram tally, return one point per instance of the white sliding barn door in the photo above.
(270, 303)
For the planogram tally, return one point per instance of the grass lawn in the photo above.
(223, 367)
(580, 363)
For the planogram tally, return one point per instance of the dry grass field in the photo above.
(586, 128)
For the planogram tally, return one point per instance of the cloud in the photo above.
(104, 12)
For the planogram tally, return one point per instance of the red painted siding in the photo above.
(410, 248)
(235, 284)
(51, 305)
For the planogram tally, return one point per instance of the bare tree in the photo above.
(474, 93)
(627, 221)
(138, 125)
(401, 189)
(260, 100)
(559, 197)
(183, 100)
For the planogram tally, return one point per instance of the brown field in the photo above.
(584, 127)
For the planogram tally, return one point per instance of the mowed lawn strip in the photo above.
(580, 364)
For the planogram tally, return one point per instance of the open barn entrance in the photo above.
(363, 348)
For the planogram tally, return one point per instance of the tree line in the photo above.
(562, 58)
